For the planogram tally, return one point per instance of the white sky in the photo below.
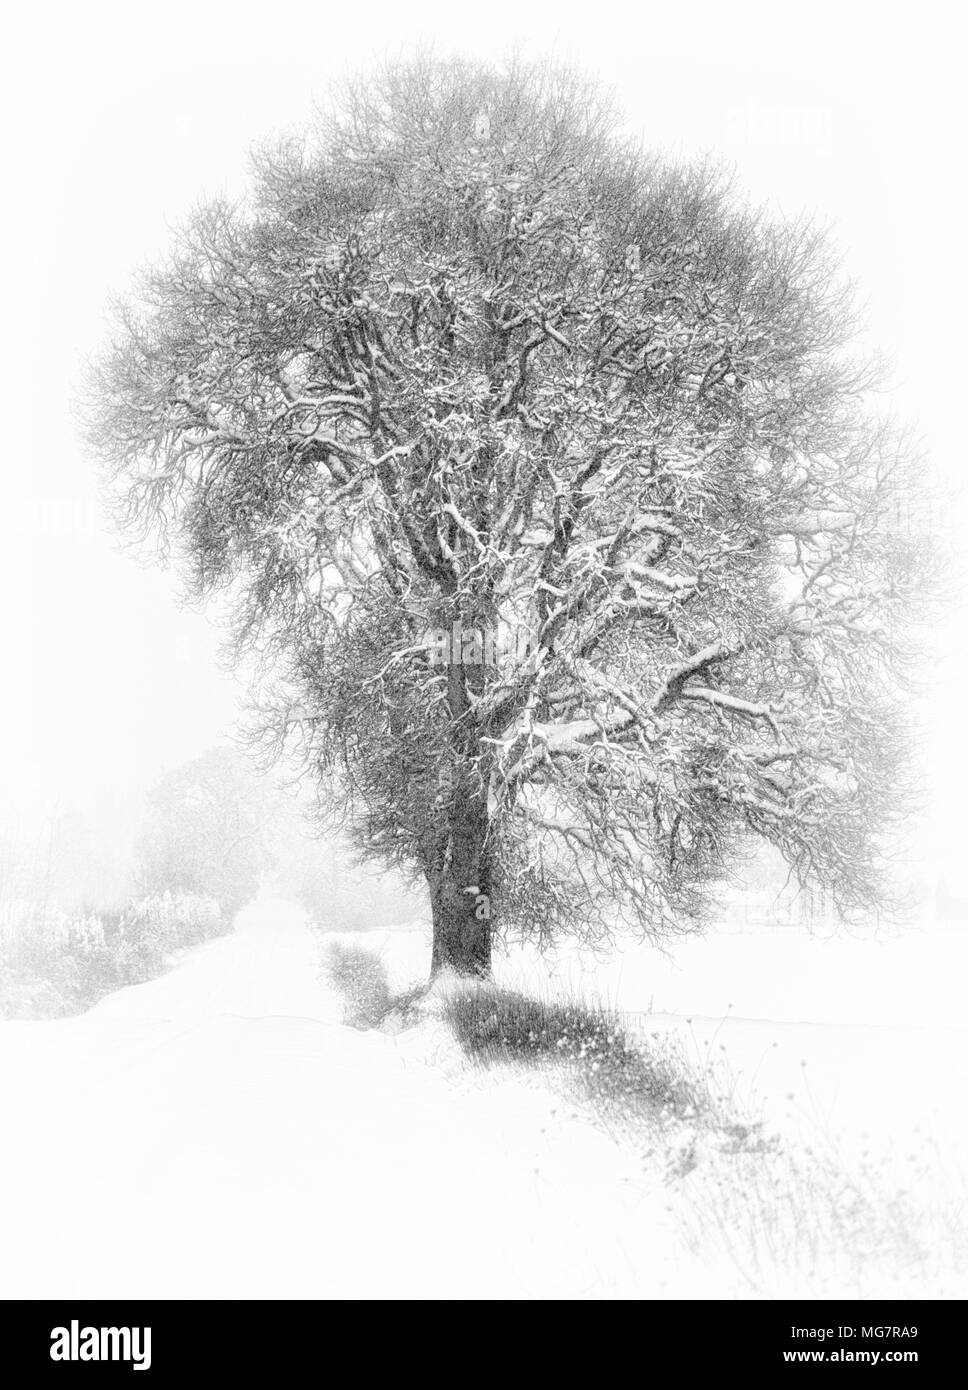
(118, 118)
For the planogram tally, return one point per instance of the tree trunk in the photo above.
(460, 895)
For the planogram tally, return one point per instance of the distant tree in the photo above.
(469, 361)
(324, 876)
(207, 830)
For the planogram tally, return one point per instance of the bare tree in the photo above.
(469, 362)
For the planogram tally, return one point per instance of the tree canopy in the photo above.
(469, 361)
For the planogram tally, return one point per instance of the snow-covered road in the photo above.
(219, 1133)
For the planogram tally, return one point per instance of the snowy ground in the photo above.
(853, 1051)
(219, 1133)
(847, 1036)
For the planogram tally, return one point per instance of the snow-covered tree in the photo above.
(470, 363)
(208, 829)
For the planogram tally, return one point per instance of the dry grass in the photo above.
(812, 1223)
(360, 977)
(629, 1085)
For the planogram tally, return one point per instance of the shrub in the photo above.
(52, 964)
(360, 977)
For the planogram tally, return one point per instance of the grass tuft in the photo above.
(360, 977)
(625, 1081)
